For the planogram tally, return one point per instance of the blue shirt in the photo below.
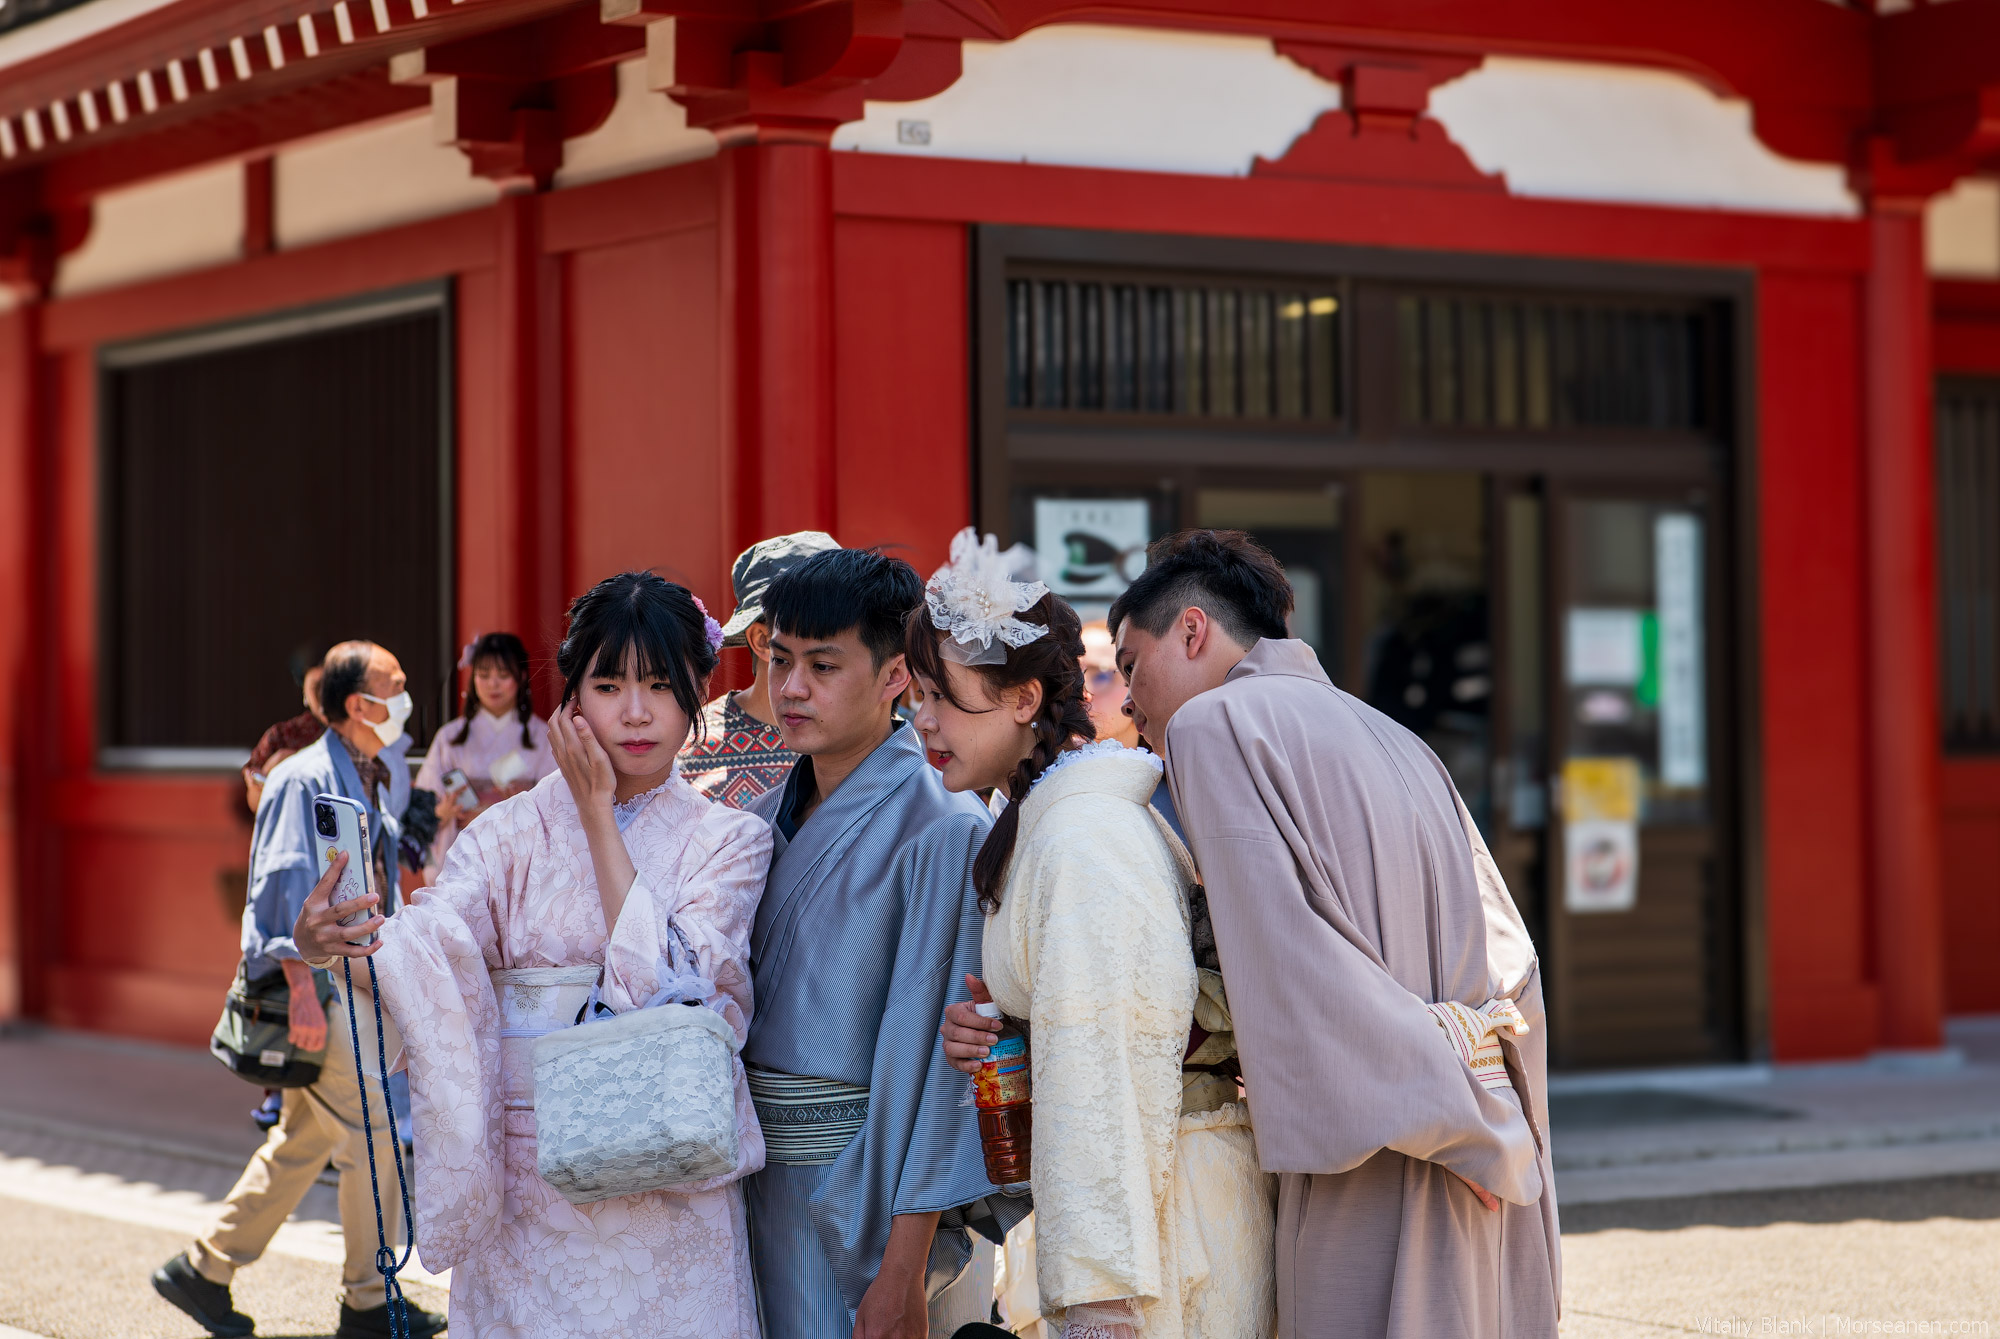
(283, 845)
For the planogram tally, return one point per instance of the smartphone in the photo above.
(342, 825)
(456, 782)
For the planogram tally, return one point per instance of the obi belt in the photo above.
(534, 1001)
(807, 1121)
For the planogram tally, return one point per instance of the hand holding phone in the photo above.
(341, 826)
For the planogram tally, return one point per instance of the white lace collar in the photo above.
(1098, 748)
(628, 811)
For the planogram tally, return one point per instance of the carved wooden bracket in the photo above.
(795, 76)
(34, 236)
(1382, 131)
(508, 99)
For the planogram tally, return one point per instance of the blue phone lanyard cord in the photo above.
(386, 1263)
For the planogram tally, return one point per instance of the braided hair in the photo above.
(1055, 662)
(506, 648)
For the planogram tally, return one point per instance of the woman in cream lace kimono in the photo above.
(1151, 1214)
(598, 867)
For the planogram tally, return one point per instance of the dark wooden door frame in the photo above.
(1728, 460)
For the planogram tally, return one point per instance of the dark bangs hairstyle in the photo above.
(1224, 573)
(647, 616)
(841, 590)
(1056, 663)
(506, 650)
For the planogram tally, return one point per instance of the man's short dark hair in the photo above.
(343, 672)
(1224, 573)
(840, 590)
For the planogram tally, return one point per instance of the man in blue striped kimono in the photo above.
(861, 1221)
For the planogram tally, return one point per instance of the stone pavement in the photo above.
(113, 1155)
(1752, 1127)
(1746, 1200)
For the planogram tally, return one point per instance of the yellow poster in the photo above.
(1601, 788)
(1600, 834)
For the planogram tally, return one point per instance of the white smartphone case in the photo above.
(359, 876)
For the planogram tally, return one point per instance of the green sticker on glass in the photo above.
(1648, 691)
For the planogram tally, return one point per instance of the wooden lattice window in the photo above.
(1968, 524)
(1499, 362)
(1190, 349)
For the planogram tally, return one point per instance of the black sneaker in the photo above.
(208, 1303)
(374, 1323)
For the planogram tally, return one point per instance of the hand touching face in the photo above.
(634, 724)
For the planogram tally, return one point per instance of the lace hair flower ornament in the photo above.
(973, 599)
(709, 627)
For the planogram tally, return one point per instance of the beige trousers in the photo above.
(318, 1123)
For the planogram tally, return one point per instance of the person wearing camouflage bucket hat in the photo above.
(739, 754)
(754, 570)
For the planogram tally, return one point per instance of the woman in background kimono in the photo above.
(602, 864)
(497, 741)
(1151, 1215)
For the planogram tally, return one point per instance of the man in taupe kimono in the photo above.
(1350, 893)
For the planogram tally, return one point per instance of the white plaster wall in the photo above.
(1962, 230)
(376, 176)
(645, 130)
(1083, 95)
(1578, 131)
(164, 226)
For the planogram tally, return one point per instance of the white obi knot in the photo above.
(534, 1001)
(1475, 1035)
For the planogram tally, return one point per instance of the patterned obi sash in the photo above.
(534, 1001)
(1475, 1035)
(807, 1121)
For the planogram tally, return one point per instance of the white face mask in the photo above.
(400, 707)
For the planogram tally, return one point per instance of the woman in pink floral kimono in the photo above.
(600, 865)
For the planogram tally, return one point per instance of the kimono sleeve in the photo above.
(1113, 994)
(1340, 1061)
(433, 966)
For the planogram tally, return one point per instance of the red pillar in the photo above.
(777, 277)
(530, 382)
(1903, 781)
(20, 337)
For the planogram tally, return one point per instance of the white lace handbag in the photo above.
(638, 1101)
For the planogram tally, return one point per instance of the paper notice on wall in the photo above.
(1603, 861)
(1090, 548)
(1683, 716)
(1604, 648)
(1600, 798)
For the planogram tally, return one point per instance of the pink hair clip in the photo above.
(465, 654)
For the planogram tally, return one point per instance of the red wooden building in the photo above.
(1618, 382)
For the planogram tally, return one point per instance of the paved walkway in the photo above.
(1738, 1201)
(113, 1155)
(1689, 1132)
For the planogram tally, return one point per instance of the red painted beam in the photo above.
(1807, 65)
(1349, 213)
(146, 44)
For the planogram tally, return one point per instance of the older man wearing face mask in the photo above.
(363, 696)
